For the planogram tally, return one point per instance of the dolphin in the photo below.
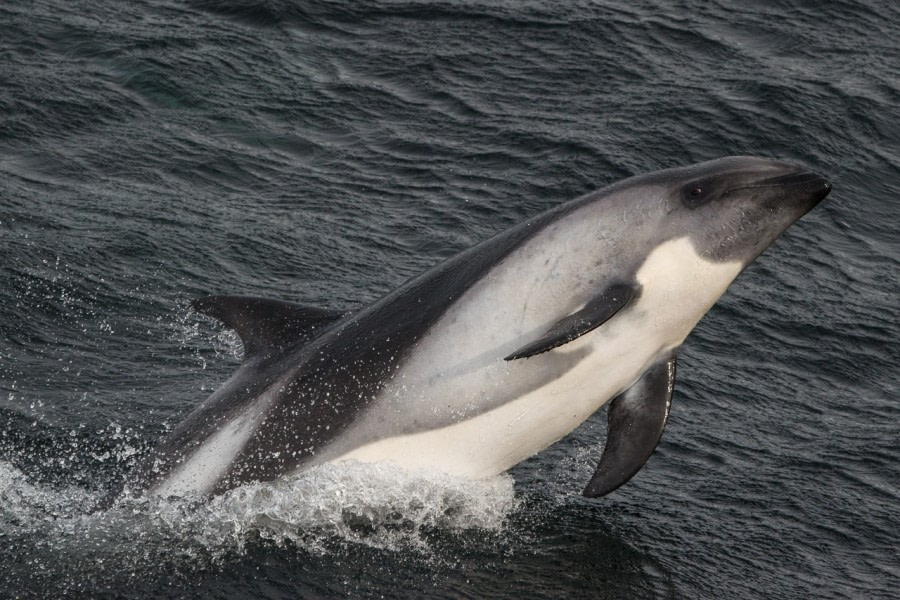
(491, 356)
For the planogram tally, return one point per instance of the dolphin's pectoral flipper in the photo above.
(636, 420)
(267, 325)
(595, 313)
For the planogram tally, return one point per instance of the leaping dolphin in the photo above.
(496, 353)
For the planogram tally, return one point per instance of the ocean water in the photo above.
(324, 152)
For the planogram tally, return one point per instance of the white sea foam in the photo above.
(198, 334)
(378, 505)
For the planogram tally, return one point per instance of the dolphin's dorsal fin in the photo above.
(636, 420)
(267, 326)
(595, 313)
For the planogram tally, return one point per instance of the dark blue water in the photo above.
(324, 152)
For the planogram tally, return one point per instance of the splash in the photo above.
(199, 335)
(27, 508)
(379, 506)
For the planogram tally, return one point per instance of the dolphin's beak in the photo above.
(805, 178)
(807, 184)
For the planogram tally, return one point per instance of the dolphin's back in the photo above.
(308, 374)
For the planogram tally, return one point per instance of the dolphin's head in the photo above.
(734, 208)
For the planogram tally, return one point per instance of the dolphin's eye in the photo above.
(695, 193)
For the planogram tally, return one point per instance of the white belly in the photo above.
(491, 442)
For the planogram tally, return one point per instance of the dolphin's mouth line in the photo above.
(792, 180)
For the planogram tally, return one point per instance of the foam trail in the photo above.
(378, 505)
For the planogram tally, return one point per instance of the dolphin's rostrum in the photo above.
(492, 355)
